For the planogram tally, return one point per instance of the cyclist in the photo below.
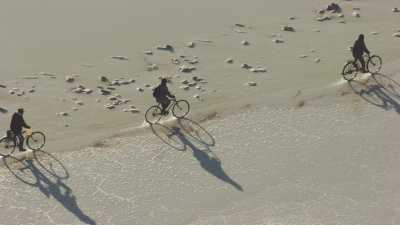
(358, 50)
(162, 95)
(17, 123)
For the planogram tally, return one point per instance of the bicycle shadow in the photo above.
(184, 131)
(379, 90)
(47, 176)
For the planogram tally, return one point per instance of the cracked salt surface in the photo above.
(314, 165)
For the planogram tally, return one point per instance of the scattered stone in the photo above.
(122, 58)
(186, 69)
(196, 96)
(192, 84)
(258, 69)
(79, 102)
(103, 79)
(292, 18)
(317, 60)
(190, 45)
(152, 67)
(245, 43)
(193, 61)
(240, 25)
(324, 18)
(276, 40)
(98, 100)
(165, 48)
(3, 86)
(245, 66)
(109, 106)
(251, 84)
(175, 61)
(334, 8)
(69, 79)
(340, 15)
(62, 114)
(395, 10)
(3, 110)
(21, 93)
(132, 80)
(31, 90)
(396, 34)
(131, 109)
(87, 91)
(197, 79)
(342, 21)
(288, 28)
(148, 52)
(75, 109)
(229, 60)
(104, 92)
(303, 56)
(48, 75)
(356, 14)
(185, 88)
(140, 89)
(147, 85)
(185, 82)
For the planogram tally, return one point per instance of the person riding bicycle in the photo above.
(17, 123)
(358, 50)
(162, 95)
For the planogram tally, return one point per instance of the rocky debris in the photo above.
(251, 84)
(397, 34)
(374, 33)
(152, 67)
(79, 102)
(3, 110)
(192, 84)
(303, 56)
(356, 14)
(175, 61)
(132, 80)
(229, 60)
(186, 69)
(292, 18)
(245, 66)
(185, 82)
(190, 44)
(31, 90)
(340, 15)
(79, 89)
(140, 89)
(62, 114)
(395, 10)
(258, 69)
(69, 79)
(47, 75)
(21, 93)
(277, 40)
(184, 88)
(245, 43)
(103, 79)
(148, 52)
(197, 79)
(334, 8)
(3, 86)
(288, 28)
(131, 109)
(317, 60)
(196, 96)
(166, 47)
(191, 61)
(109, 106)
(240, 25)
(104, 91)
(111, 88)
(122, 58)
(98, 100)
(323, 18)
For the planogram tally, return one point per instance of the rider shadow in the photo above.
(47, 175)
(187, 130)
(379, 90)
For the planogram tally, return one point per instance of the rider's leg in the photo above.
(20, 141)
(363, 69)
(164, 104)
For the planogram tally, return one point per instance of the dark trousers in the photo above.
(360, 58)
(19, 139)
(164, 101)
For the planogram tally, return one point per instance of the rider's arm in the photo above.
(24, 124)
(365, 48)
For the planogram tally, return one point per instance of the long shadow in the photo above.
(179, 137)
(48, 180)
(379, 90)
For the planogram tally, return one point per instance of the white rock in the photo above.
(196, 96)
(148, 52)
(317, 60)
(396, 34)
(356, 14)
(186, 69)
(190, 44)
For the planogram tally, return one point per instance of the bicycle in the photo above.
(180, 108)
(351, 69)
(34, 140)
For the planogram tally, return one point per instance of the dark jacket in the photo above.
(359, 48)
(161, 91)
(17, 123)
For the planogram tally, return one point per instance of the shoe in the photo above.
(22, 150)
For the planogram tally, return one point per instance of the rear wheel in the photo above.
(349, 71)
(36, 140)
(181, 108)
(153, 114)
(374, 64)
(7, 146)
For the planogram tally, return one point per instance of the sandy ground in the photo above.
(301, 147)
(335, 162)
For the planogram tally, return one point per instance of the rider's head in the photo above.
(361, 37)
(21, 110)
(164, 81)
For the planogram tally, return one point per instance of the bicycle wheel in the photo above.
(181, 108)
(374, 64)
(349, 71)
(36, 140)
(7, 146)
(153, 114)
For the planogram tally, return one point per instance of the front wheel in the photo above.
(36, 140)
(374, 64)
(349, 71)
(181, 108)
(153, 114)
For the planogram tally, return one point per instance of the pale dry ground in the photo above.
(79, 37)
(333, 161)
